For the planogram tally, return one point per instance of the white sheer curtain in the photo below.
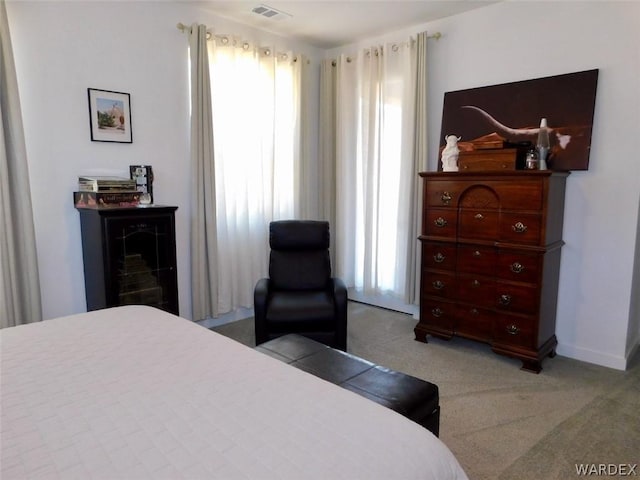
(19, 282)
(376, 164)
(257, 163)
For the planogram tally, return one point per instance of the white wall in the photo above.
(63, 48)
(516, 40)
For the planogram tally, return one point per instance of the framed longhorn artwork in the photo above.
(511, 113)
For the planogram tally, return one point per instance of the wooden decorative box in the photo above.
(494, 159)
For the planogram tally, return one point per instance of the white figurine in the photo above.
(450, 154)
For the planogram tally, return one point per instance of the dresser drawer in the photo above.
(520, 195)
(477, 290)
(478, 196)
(516, 298)
(439, 283)
(521, 192)
(443, 193)
(477, 259)
(440, 223)
(474, 322)
(439, 255)
(514, 330)
(478, 224)
(437, 313)
(520, 228)
(518, 266)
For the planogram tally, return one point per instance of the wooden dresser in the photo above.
(491, 246)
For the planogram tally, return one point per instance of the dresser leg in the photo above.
(533, 366)
(552, 353)
(421, 336)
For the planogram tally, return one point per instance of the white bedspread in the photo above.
(134, 393)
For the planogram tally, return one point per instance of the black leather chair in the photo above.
(300, 296)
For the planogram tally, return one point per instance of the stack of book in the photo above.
(96, 192)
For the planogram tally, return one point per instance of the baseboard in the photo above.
(632, 353)
(378, 301)
(383, 301)
(230, 317)
(592, 356)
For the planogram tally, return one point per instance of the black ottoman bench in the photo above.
(412, 397)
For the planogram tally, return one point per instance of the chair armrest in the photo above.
(340, 298)
(260, 297)
(339, 290)
(261, 291)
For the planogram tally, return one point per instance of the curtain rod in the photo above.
(436, 36)
(182, 27)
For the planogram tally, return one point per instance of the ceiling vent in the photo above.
(270, 12)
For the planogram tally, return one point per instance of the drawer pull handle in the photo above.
(436, 312)
(519, 227)
(513, 329)
(478, 216)
(505, 299)
(477, 253)
(517, 267)
(438, 285)
(440, 222)
(475, 312)
(475, 283)
(446, 198)
(438, 258)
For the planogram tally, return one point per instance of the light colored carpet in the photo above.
(499, 421)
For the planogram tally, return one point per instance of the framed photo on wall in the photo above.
(110, 116)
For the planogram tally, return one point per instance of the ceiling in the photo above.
(333, 23)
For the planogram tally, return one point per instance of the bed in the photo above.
(134, 393)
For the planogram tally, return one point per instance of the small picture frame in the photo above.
(109, 116)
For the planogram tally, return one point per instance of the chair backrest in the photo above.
(299, 258)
